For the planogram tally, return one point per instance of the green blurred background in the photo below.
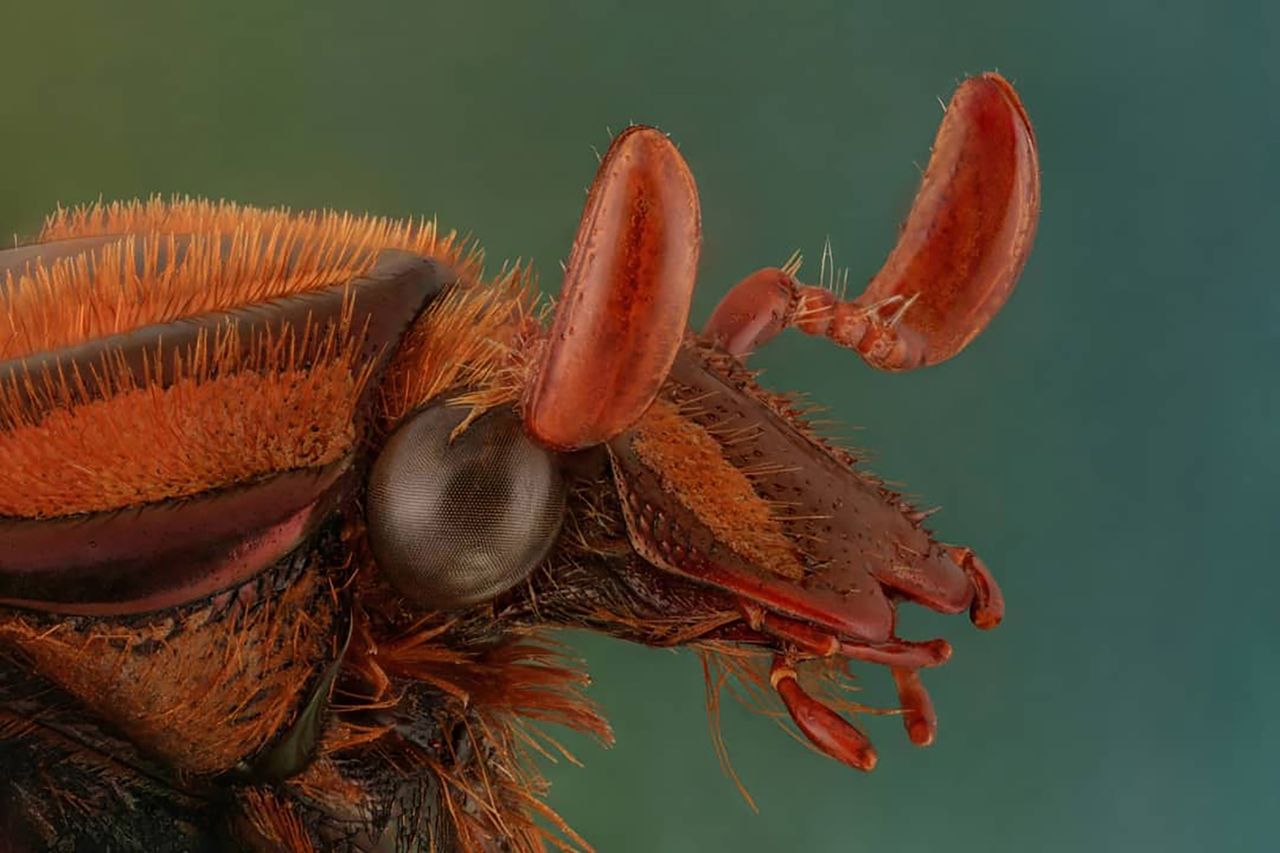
(1109, 445)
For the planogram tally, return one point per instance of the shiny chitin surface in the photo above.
(625, 299)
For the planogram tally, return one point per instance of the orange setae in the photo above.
(694, 471)
(230, 256)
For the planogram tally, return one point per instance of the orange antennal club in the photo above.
(625, 299)
(958, 257)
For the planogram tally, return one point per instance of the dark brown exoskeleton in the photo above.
(289, 501)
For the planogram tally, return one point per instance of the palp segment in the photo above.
(958, 257)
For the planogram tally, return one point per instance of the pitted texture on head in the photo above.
(453, 523)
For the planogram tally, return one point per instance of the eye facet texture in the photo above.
(456, 523)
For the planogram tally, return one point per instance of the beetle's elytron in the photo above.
(289, 502)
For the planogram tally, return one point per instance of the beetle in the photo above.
(290, 501)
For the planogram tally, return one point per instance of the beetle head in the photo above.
(726, 484)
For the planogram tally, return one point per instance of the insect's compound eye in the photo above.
(454, 523)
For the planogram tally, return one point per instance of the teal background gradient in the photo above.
(1109, 445)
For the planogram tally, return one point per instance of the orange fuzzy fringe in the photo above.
(500, 693)
(235, 256)
(202, 690)
(226, 418)
(275, 821)
(473, 338)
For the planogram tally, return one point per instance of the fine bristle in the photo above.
(276, 821)
(186, 215)
(14, 728)
(799, 414)
(231, 256)
(743, 673)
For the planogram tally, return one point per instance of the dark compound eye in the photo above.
(454, 524)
